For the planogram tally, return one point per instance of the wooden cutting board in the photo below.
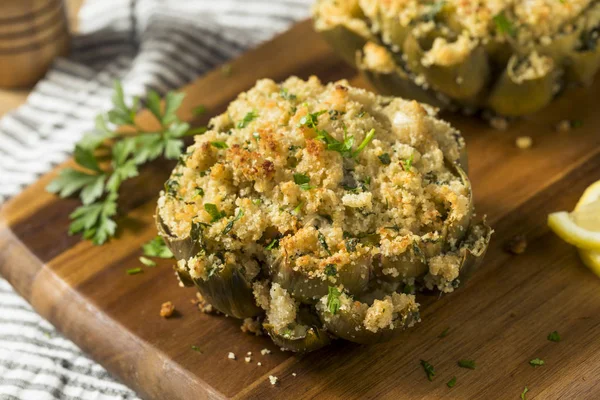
(500, 318)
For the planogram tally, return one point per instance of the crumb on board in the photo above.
(524, 142)
(499, 123)
(516, 245)
(293, 374)
(167, 309)
(251, 325)
(203, 305)
(231, 356)
(248, 359)
(273, 380)
(249, 353)
(563, 126)
(259, 363)
(265, 351)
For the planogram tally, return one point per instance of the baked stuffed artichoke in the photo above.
(511, 57)
(323, 208)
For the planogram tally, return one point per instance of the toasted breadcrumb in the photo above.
(524, 142)
(231, 356)
(293, 374)
(203, 305)
(516, 245)
(259, 363)
(265, 351)
(248, 359)
(499, 123)
(563, 126)
(251, 325)
(167, 309)
(273, 380)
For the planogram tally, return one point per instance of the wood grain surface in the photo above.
(500, 318)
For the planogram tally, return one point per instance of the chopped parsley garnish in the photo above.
(536, 362)
(444, 333)
(554, 337)
(171, 187)
(214, 212)
(251, 116)
(147, 262)
(330, 270)
(407, 164)
(451, 382)
(256, 136)
(196, 348)
(470, 364)
(576, 123)
(297, 209)
(370, 135)
(323, 242)
(229, 225)
(199, 192)
(311, 120)
(429, 370)
(351, 244)
(385, 159)
(504, 25)
(361, 114)
(219, 145)
(199, 110)
(334, 114)
(333, 300)
(157, 248)
(286, 94)
(135, 271)
(273, 245)
(303, 181)
(524, 393)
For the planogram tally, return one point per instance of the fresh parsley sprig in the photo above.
(101, 169)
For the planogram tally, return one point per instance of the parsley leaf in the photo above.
(330, 270)
(536, 362)
(219, 145)
(470, 364)
(444, 333)
(504, 25)
(524, 393)
(385, 159)
(429, 370)
(199, 110)
(157, 248)
(333, 300)
(251, 116)
(303, 181)
(554, 337)
(98, 183)
(407, 164)
(214, 212)
(229, 225)
(286, 94)
(196, 348)
(451, 382)
(273, 245)
(311, 120)
(134, 271)
(147, 262)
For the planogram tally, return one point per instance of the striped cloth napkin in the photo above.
(158, 44)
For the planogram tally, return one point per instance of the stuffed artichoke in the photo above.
(510, 57)
(323, 208)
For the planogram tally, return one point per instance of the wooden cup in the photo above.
(32, 34)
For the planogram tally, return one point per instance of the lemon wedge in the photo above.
(582, 227)
(567, 226)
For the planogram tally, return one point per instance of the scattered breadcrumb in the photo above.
(265, 351)
(516, 245)
(231, 356)
(249, 353)
(251, 325)
(273, 380)
(167, 309)
(524, 142)
(259, 363)
(247, 359)
(203, 305)
(564, 126)
(293, 374)
(499, 123)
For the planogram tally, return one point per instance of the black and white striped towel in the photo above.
(159, 44)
